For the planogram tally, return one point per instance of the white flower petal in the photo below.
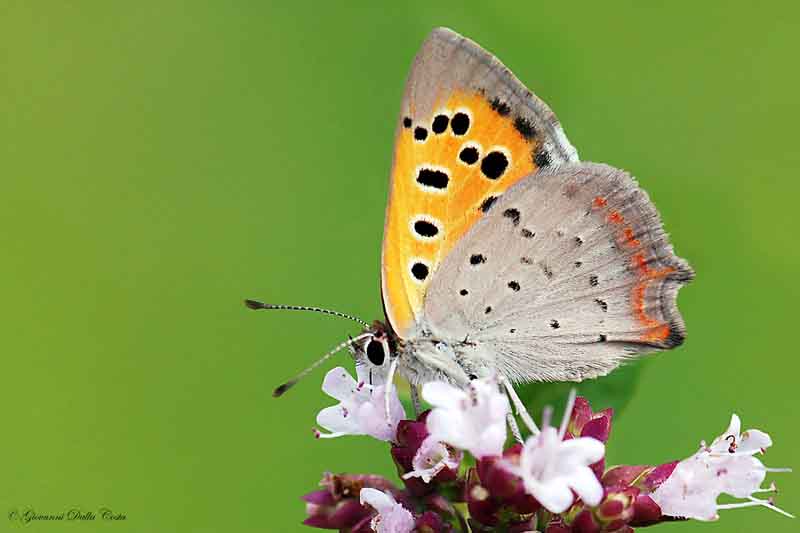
(339, 384)
(586, 485)
(584, 450)
(555, 497)
(754, 441)
(381, 501)
(440, 394)
(392, 516)
(333, 419)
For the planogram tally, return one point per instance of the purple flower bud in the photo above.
(584, 522)
(585, 423)
(430, 522)
(645, 511)
(617, 506)
(623, 475)
(482, 507)
(337, 515)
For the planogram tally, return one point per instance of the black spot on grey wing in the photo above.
(525, 128)
(554, 324)
(528, 234)
(407, 122)
(463, 292)
(603, 305)
(541, 158)
(514, 286)
(593, 281)
(513, 215)
(578, 264)
(578, 241)
(603, 338)
(488, 309)
(469, 155)
(425, 228)
(433, 178)
(472, 377)
(477, 259)
(460, 123)
(547, 271)
(494, 164)
(488, 203)
(440, 123)
(420, 133)
(420, 271)
(512, 330)
(526, 260)
(500, 107)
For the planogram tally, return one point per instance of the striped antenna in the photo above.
(255, 304)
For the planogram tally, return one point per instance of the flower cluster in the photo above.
(459, 474)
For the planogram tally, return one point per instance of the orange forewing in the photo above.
(457, 207)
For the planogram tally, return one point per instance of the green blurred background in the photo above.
(162, 160)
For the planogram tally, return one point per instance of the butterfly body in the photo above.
(503, 253)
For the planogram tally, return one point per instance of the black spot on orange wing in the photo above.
(525, 128)
(500, 107)
(407, 122)
(488, 203)
(420, 133)
(494, 164)
(420, 271)
(433, 178)
(424, 228)
(460, 123)
(440, 123)
(469, 155)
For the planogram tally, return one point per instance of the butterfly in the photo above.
(503, 254)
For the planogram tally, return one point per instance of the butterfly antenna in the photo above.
(255, 304)
(279, 391)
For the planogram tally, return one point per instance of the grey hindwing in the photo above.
(568, 274)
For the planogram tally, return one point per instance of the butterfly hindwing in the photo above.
(468, 130)
(568, 274)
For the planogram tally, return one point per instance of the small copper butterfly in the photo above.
(502, 252)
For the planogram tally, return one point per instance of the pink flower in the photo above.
(392, 517)
(432, 457)
(552, 468)
(361, 409)
(727, 466)
(473, 419)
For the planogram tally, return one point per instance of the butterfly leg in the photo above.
(415, 400)
(512, 425)
(519, 407)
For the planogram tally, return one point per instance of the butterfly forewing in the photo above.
(468, 130)
(568, 274)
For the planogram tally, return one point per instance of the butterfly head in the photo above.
(376, 351)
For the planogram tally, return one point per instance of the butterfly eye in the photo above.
(375, 352)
